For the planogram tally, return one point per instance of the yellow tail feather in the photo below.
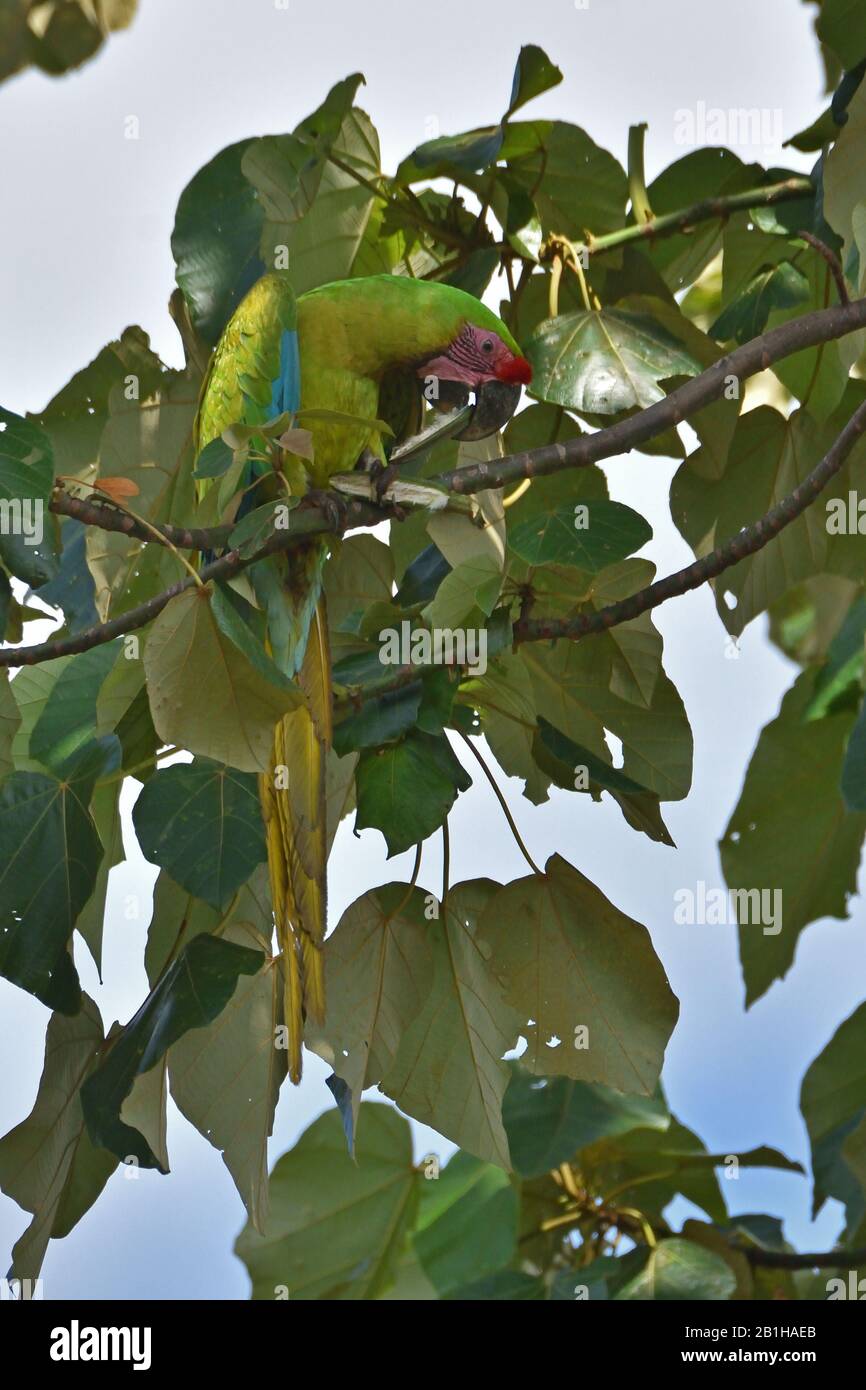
(294, 810)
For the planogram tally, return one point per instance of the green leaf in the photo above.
(592, 996)
(287, 170)
(48, 1164)
(361, 574)
(579, 689)
(478, 149)
(467, 1224)
(26, 462)
(9, 722)
(337, 1227)
(202, 823)
(215, 242)
(34, 564)
(854, 766)
(259, 526)
(790, 839)
(422, 577)
(542, 159)
(679, 1269)
(237, 620)
(325, 242)
(769, 457)
(149, 443)
(817, 376)
(193, 990)
(604, 361)
(226, 1077)
(534, 75)
(378, 972)
(50, 852)
(68, 720)
(779, 287)
(177, 917)
(186, 653)
(701, 174)
(72, 588)
(75, 417)
(407, 790)
(838, 683)
(833, 1102)
(214, 460)
(470, 591)
(379, 721)
(105, 810)
(842, 26)
(649, 1167)
(448, 1071)
(507, 1286)
(549, 1119)
(31, 688)
(588, 535)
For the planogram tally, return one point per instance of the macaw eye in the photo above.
(487, 345)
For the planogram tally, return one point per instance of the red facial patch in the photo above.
(515, 370)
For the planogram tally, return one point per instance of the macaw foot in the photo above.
(383, 477)
(334, 508)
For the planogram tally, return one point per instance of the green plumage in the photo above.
(360, 345)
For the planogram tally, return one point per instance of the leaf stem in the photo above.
(504, 804)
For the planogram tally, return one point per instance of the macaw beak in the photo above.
(495, 403)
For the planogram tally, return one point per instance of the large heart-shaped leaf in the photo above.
(378, 971)
(592, 995)
(603, 361)
(336, 1227)
(448, 1071)
(188, 652)
(215, 241)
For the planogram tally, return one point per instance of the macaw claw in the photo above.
(334, 508)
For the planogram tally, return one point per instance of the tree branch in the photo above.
(807, 331)
(821, 326)
(708, 210)
(303, 522)
(783, 1259)
(103, 515)
(748, 542)
(308, 521)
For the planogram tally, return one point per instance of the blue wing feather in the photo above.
(286, 393)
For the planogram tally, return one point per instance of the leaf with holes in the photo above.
(604, 361)
(592, 996)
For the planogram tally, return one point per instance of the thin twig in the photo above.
(833, 262)
(747, 542)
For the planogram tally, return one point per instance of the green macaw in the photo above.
(365, 348)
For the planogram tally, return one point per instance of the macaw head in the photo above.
(485, 361)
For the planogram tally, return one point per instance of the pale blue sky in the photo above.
(85, 251)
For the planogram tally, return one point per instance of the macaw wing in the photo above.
(255, 370)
